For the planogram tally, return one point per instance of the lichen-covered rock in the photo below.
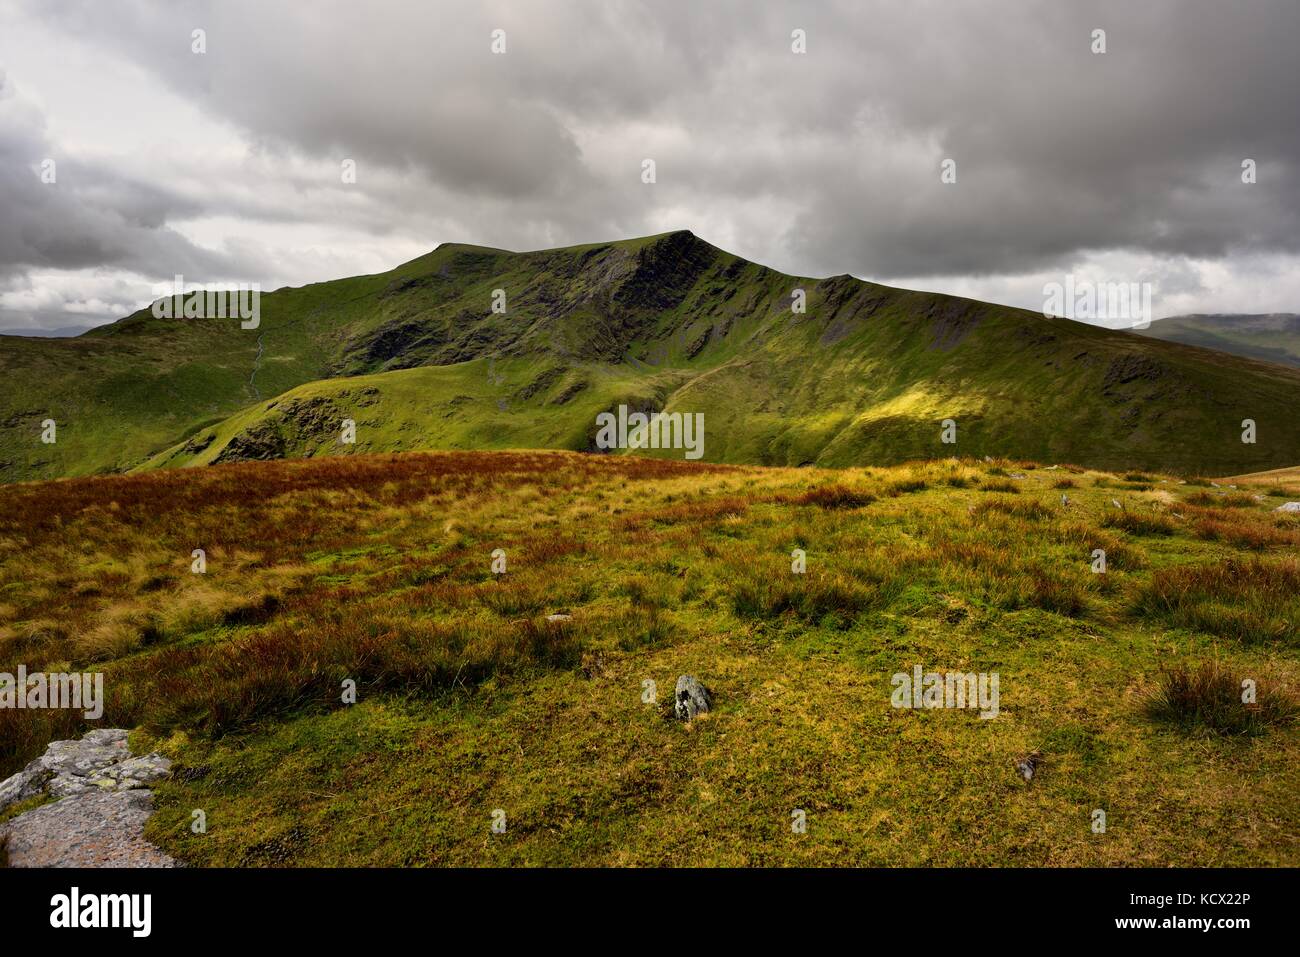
(1288, 507)
(26, 784)
(691, 698)
(139, 772)
(100, 805)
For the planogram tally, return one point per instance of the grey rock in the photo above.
(27, 783)
(99, 761)
(690, 698)
(96, 829)
(1288, 507)
(1027, 764)
(137, 772)
(100, 805)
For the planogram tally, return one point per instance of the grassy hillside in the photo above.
(1278, 478)
(418, 359)
(1271, 338)
(377, 569)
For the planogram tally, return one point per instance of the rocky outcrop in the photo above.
(664, 271)
(101, 802)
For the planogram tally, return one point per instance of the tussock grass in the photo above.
(1249, 532)
(906, 486)
(1209, 696)
(1251, 600)
(1138, 523)
(287, 668)
(1026, 509)
(834, 496)
(810, 598)
(1009, 487)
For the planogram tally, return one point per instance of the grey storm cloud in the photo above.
(87, 216)
(822, 163)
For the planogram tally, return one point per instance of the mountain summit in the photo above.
(475, 347)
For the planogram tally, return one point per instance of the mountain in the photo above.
(1272, 337)
(418, 359)
(60, 332)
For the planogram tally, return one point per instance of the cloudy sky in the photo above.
(226, 165)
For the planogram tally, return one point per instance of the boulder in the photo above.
(690, 698)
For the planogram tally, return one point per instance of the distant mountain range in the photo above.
(418, 358)
(60, 333)
(1273, 337)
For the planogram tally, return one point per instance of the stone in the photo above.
(137, 772)
(1288, 507)
(27, 783)
(96, 829)
(690, 698)
(1027, 764)
(101, 802)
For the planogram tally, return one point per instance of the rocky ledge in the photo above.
(101, 804)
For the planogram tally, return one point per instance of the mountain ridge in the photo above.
(1268, 337)
(664, 322)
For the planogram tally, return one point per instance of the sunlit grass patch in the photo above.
(1222, 500)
